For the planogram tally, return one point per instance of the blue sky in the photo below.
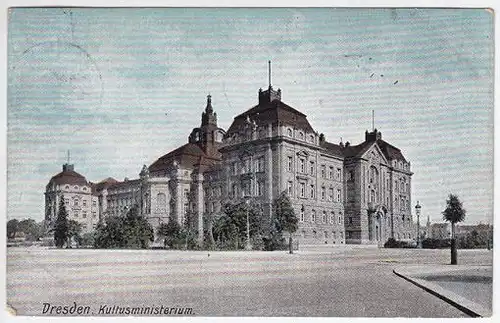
(121, 87)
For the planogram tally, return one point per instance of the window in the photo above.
(325, 234)
(290, 188)
(161, 202)
(290, 132)
(323, 171)
(302, 214)
(301, 135)
(84, 189)
(334, 234)
(350, 220)
(313, 216)
(302, 189)
(312, 191)
(340, 220)
(330, 194)
(84, 202)
(342, 235)
(311, 138)
(234, 190)
(332, 217)
(323, 193)
(290, 163)
(260, 164)
(94, 214)
(214, 208)
(302, 165)
(234, 168)
(94, 203)
(75, 202)
(75, 187)
(66, 201)
(76, 214)
(324, 217)
(260, 188)
(339, 174)
(330, 175)
(84, 214)
(66, 187)
(339, 195)
(311, 168)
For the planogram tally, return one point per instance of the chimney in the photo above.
(347, 144)
(68, 168)
(321, 138)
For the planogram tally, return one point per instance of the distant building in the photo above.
(341, 193)
(440, 230)
(81, 204)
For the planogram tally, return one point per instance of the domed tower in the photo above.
(79, 201)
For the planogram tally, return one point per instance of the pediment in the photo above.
(375, 155)
(303, 153)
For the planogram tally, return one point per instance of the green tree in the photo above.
(286, 219)
(130, 231)
(74, 231)
(170, 233)
(86, 239)
(61, 225)
(12, 227)
(453, 213)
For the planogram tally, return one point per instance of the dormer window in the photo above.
(84, 189)
(311, 138)
(75, 187)
(66, 187)
(290, 132)
(301, 135)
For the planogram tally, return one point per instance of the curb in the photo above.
(470, 309)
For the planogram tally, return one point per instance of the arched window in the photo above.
(313, 216)
(301, 135)
(324, 216)
(290, 132)
(161, 202)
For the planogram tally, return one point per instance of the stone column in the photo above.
(199, 207)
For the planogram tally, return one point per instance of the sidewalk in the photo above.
(469, 288)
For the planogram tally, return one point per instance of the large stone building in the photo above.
(79, 200)
(341, 193)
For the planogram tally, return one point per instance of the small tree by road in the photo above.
(286, 218)
(61, 225)
(453, 213)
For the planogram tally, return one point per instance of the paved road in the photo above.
(317, 281)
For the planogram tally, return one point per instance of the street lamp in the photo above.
(417, 211)
(248, 246)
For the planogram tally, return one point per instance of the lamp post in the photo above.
(248, 246)
(417, 211)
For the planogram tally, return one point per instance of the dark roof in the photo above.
(333, 149)
(189, 155)
(274, 111)
(105, 183)
(68, 177)
(390, 152)
(124, 183)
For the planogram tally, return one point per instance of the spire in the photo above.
(68, 156)
(209, 108)
(269, 62)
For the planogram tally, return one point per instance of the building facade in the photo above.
(341, 193)
(80, 202)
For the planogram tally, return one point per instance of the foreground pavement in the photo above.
(316, 281)
(466, 287)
